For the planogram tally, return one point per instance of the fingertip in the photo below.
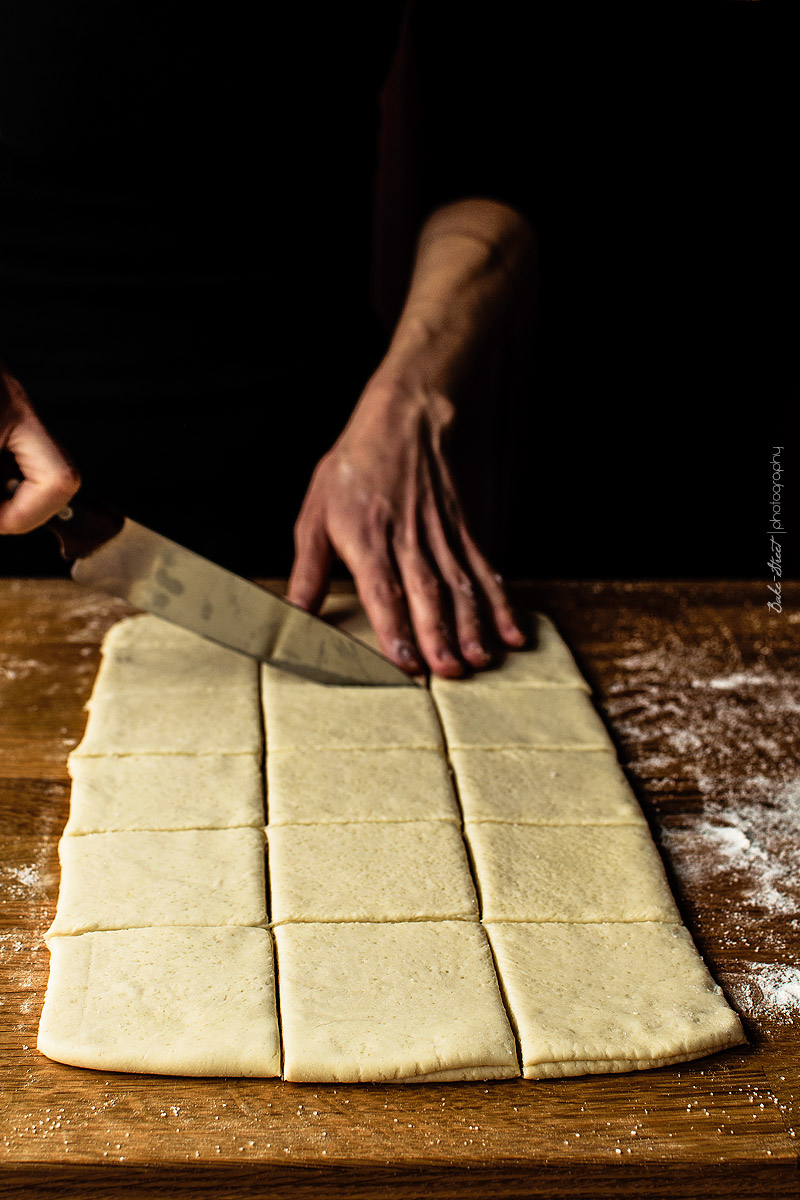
(446, 665)
(406, 657)
(512, 635)
(476, 655)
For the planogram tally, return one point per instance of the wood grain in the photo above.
(697, 683)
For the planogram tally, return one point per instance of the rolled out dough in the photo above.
(540, 718)
(300, 715)
(545, 787)
(184, 1001)
(358, 785)
(569, 873)
(174, 668)
(404, 1001)
(379, 871)
(169, 722)
(164, 791)
(546, 663)
(192, 877)
(609, 997)
(164, 858)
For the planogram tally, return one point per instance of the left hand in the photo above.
(384, 501)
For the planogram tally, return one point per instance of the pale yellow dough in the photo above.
(186, 1001)
(358, 785)
(539, 718)
(407, 871)
(609, 997)
(300, 715)
(547, 663)
(386, 972)
(175, 668)
(404, 1001)
(545, 787)
(169, 722)
(128, 880)
(569, 873)
(145, 629)
(164, 791)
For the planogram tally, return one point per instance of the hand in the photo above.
(383, 499)
(48, 478)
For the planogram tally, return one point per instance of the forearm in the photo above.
(474, 258)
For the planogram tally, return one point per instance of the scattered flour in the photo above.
(769, 990)
(711, 721)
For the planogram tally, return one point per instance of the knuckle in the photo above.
(386, 591)
(428, 586)
(463, 586)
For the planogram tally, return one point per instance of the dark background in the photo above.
(624, 424)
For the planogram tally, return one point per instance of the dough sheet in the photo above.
(187, 877)
(388, 1001)
(540, 718)
(609, 997)
(301, 715)
(377, 871)
(172, 722)
(113, 793)
(207, 667)
(545, 787)
(183, 1001)
(569, 873)
(359, 785)
(547, 662)
(160, 959)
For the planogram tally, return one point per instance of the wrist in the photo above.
(405, 393)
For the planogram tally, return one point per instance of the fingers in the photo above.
(308, 581)
(428, 609)
(492, 586)
(49, 480)
(384, 600)
(463, 593)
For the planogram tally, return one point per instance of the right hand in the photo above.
(49, 480)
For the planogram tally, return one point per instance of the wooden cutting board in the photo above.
(698, 683)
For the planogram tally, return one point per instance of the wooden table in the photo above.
(698, 683)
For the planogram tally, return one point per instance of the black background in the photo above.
(625, 425)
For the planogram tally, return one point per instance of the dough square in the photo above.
(145, 629)
(379, 871)
(358, 785)
(168, 722)
(172, 668)
(545, 787)
(312, 716)
(187, 877)
(345, 611)
(404, 1001)
(547, 663)
(187, 1001)
(579, 873)
(609, 997)
(540, 718)
(164, 791)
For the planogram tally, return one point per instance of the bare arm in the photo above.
(383, 498)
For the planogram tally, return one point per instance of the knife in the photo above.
(119, 556)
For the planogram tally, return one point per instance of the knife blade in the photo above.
(151, 572)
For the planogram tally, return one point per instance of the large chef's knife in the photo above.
(153, 573)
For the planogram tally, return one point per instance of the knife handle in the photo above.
(81, 526)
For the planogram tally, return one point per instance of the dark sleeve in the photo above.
(475, 103)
